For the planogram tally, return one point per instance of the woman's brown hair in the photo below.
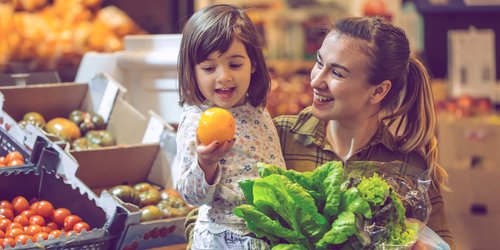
(213, 29)
(409, 103)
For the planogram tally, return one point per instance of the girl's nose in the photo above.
(224, 75)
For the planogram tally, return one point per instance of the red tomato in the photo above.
(36, 220)
(6, 204)
(52, 225)
(28, 213)
(70, 221)
(14, 155)
(8, 241)
(14, 232)
(46, 229)
(14, 225)
(2, 234)
(33, 229)
(34, 205)
(3, 161)
(20, 204)
(21, 219)
(44, 208)
(55, 233)
(6, 213)
(79, 226)
(4, 224)
(23, 238)
(15, 162)
(43, 235)
(60, 214)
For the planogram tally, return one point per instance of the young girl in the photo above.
(221, 65)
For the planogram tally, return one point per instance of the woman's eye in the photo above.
(337, 73)
(320, 64)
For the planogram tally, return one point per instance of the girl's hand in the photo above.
(209, 155)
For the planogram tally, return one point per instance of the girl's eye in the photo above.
(236, 65)
(208, 69)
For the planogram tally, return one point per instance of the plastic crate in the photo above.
(8, 144)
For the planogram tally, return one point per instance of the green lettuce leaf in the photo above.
(292, 203)
(351, 200)
(343, 227)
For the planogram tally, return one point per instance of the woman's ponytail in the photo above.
(417, 122)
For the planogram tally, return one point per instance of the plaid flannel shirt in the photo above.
(305, 147)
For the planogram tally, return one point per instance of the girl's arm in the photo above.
(192, 183)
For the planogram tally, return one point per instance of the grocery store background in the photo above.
(136, 43)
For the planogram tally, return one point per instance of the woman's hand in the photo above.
(210, 155)
(420, 245)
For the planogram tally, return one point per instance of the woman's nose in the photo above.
(318, 79)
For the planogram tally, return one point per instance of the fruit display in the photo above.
(289, 94)
(23, 220)
(51, 35)
(216, 124)
(82, 129)
(12, 159)
(155, 203)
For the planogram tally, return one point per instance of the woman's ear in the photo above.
(380, 91)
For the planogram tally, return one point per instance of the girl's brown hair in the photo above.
(409, 102)
(213, 29)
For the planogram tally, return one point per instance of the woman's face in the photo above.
(339, 80)
(224, 79)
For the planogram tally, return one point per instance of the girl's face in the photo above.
(225, 78)
(339, 80)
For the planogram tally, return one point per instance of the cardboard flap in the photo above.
(103, 91)
(51, 100)
(126, 124)
(155, 128)
(112, 166)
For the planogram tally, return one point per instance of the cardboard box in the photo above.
(146, 163)
(473, 209)
(468, 143)
(145, 152)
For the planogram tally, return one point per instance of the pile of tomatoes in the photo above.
(21, 221)
(12, 159)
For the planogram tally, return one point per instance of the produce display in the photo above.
(84, 130)
(51, 35)
(154, 202)
(329, 208)
(35, 220)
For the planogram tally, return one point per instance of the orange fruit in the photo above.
(64, 128)
(216, 124)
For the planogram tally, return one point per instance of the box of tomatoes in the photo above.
(150, 213)
(136, 192)
(42, 209)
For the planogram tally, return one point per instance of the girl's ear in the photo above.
(253, 68)
(380, 91)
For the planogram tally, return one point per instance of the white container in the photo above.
(148, 67)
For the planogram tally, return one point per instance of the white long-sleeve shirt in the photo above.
(256, 141)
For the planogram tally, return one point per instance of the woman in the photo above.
(372, 101)
(368, 88)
